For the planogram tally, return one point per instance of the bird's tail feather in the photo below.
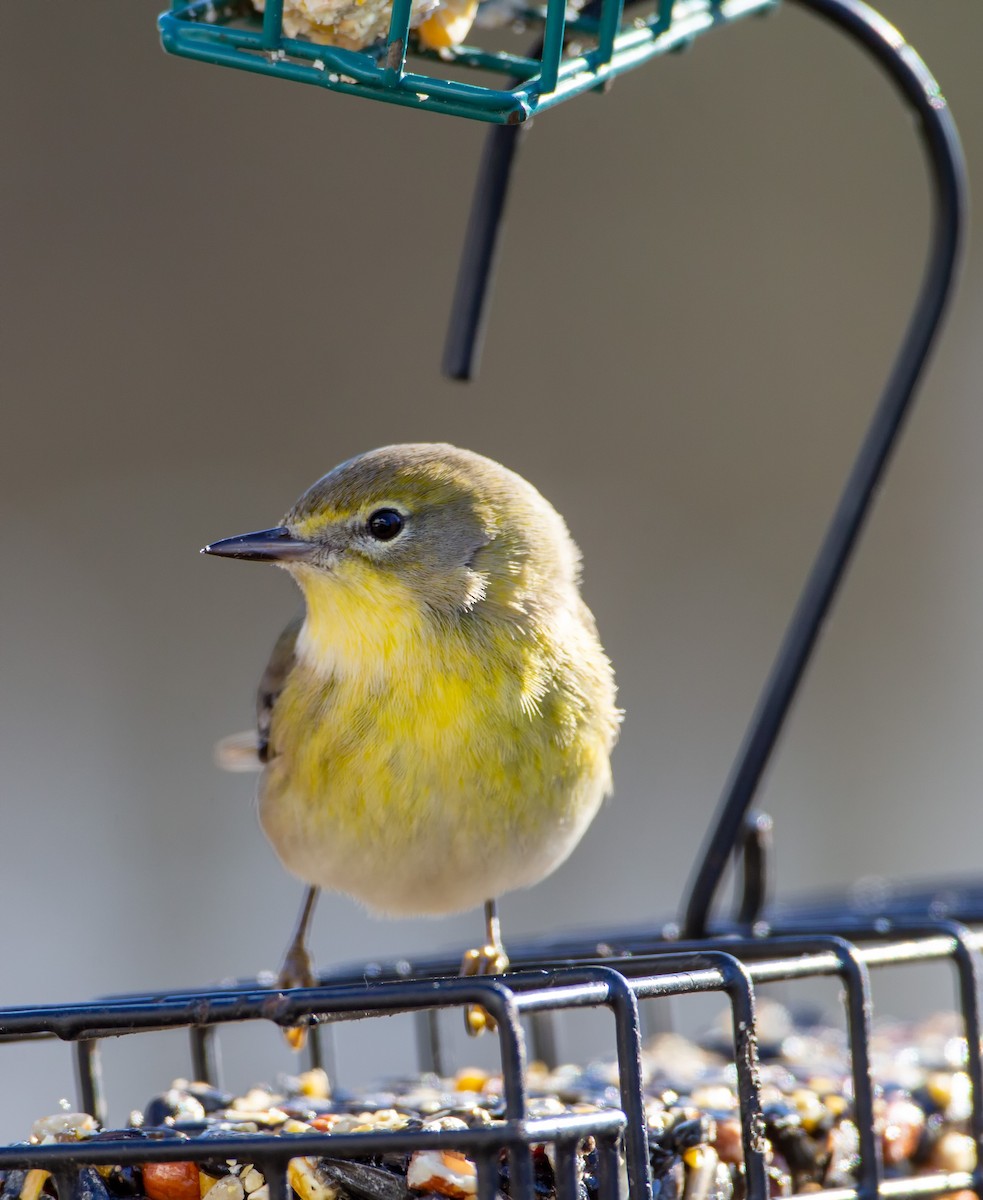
(239, 752)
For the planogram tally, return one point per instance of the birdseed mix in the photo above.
(923, 1108)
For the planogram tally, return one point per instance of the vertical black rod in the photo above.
(67, 1181)
(565, 1171)
(919, 89)
(968, 965)
(322, 1051)
(472, 292)
(628, 1036)
(276, 1178)
(740, 992)
(88, 1074)
(542, 1036)
(487, 1169)
(204, 1054)
(609, 1169)
(969, 975)
(756, 844)
(429, 1051)
(859, 1013)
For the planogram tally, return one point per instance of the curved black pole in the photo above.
(917, 87)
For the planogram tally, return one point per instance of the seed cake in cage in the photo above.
(355, 24)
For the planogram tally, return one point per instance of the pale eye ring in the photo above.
(384, 524)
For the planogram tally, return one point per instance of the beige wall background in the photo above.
(216, 286)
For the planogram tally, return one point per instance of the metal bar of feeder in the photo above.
(816, 955)
(486, 1168)
(274, 1171)
(608, 1169)
(272, 24)
(677, 974)
(608, 26)
(414, 91)
(88, 1076)
(204, 1055)
(565, 1171)
(962, 947)
(429, 1053)
(556, 19)
(344, 1002)
(591, 985)
(735, 979)
(399, 31)
(968, 967)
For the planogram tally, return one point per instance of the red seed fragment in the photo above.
(171, 1181)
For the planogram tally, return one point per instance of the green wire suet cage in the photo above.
(578, 51)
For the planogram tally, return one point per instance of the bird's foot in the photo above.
(489, 959)
(297, 970)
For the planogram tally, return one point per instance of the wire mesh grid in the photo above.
(633, 974)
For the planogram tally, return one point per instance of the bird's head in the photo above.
(427, 526)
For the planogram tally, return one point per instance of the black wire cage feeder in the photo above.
(620, 970)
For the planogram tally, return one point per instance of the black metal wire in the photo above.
(947, 170)
(89, 1077)
(756, 844)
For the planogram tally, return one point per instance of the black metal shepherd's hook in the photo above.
(917, 87)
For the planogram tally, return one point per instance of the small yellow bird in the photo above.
(437, 729)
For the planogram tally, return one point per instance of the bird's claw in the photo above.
(489, 959)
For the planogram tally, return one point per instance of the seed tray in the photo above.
(578, 52)
(631, 973)
(694, 1128)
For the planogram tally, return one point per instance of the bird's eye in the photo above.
(385, 524)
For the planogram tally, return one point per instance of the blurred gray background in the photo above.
(216, 286)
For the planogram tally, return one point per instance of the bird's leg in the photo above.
(298, 969)
(489, 959)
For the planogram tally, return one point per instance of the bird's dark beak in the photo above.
(276, 545)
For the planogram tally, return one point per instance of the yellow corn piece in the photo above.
(449, 25)
(470, 1079)
(306, 1183)
(314, 1083)
(33, 1184)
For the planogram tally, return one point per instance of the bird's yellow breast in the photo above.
(424, 764)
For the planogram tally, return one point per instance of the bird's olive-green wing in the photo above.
(271, 685)
(249, 751)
